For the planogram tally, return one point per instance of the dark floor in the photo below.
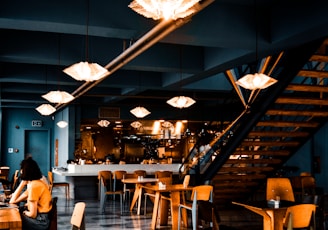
(96, 220)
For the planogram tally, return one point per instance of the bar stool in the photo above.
(53, 184)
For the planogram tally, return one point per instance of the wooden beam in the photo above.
(308, 88)
(319, 58)
(313, 73)
(269, 133)
(308, 113)
(246, 169)
(301, 101)
(263, 152)
(253, 161)
(288, 124)
(270, 143)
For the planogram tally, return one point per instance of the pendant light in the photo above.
(62, 124)
(46, 109)
(139, 111)
(168, 9)
(58, 96)
(85, 71)
(256, 81)
(181, 101)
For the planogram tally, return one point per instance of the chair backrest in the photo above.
(130, 175)
(50, 180)
(141, 172)
(279, 187)
(105, 180)
(202, 192)
(4, 172)
(308, 185)
(159, 174)
(14, 180)
(77, 219)
(119, 174)
(165, 180)
(53, 214)
(186, 181)
(117, 183)
(299, 216)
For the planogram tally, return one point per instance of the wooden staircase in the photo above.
(275, 126)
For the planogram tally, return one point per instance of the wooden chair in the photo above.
(4, 172)
(77, 219)
(53, 214)
(106, 188)
(160, 174)
(53, 184)
(308, 186)
(118, 177)
(300, 216)
(129, 188)
(14, 182)
(279, 187)
(151, 194)
(141, 173)
(201, 192)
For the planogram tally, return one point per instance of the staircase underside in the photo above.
(277, 124)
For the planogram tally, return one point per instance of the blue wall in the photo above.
(15, 122)
(317, 147)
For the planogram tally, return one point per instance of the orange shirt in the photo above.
(38, 191)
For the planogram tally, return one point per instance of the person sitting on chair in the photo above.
(37, 194)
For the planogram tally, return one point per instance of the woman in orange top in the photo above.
(37, 195)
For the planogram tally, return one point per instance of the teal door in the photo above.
(37, 145)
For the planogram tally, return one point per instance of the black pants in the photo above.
(41, 222)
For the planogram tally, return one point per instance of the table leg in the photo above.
(175, 201)
(164, 214)
(139, 194)
(135, 197)
(155, 210)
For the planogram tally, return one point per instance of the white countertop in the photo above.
(92, 169)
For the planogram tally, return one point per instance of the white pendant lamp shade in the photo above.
(58, 97)
(139, 112)
(84, 71)
(164, 9)
(103, 123)
(256, 81)
(62, 124)
(46, 109)
(181, 102)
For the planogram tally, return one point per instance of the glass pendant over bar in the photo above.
(136, 124)
(103, 123)
(61, 97)
(84, 71)
(46, 109)
(140, 112)
(181, 102)
(256, 81)
(164, 9)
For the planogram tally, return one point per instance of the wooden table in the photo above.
(10, 219)
(174, 191)
(138, 191)
(272, 217)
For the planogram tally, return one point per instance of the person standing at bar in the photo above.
(37, 196)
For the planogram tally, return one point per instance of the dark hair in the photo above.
(30, 170)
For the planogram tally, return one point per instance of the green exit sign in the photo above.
(36, 123)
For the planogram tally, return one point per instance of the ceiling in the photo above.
(185, 57)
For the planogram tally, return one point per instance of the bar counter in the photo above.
(83, 179)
